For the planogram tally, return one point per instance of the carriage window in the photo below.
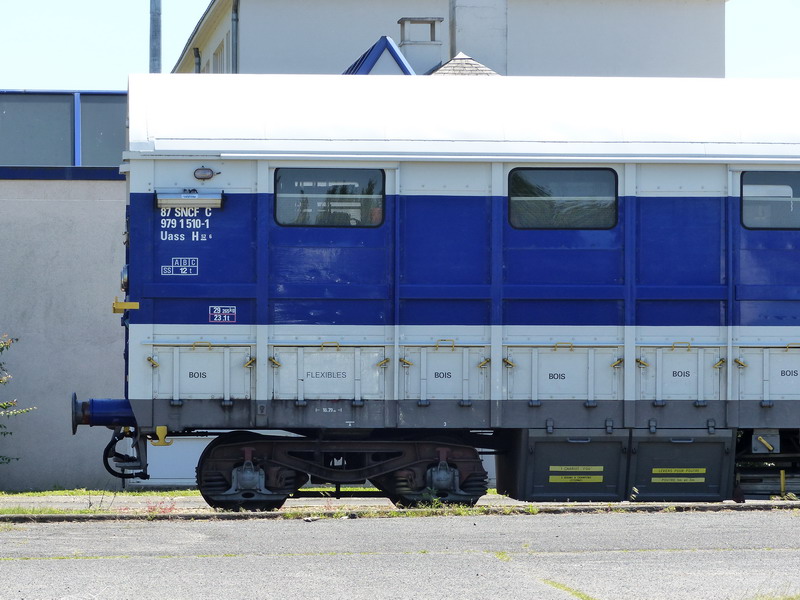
(329, 197)
(562, 198)
(771, 199)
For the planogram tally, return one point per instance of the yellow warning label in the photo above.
(671, 470)
(576, 468)
(678, 480)
(576, 479)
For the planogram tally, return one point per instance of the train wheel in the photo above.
(230, 478)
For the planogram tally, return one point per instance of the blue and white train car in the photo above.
(598, 279)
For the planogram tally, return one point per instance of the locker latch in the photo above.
(549, 425)
(609, 425)
(652, 425)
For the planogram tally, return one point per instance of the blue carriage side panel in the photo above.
(681, 261)
(193, 265)
(444, 245)
(767, 275)
(333, 275)
(564, 276)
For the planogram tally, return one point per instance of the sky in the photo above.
(94, 44)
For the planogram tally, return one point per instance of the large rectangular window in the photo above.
(562, 198)
(329, 197)
(37, 129)
(771, 199)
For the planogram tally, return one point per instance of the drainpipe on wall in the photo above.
(196, 59)
(155, 36)
(453, 31)
(235, 37)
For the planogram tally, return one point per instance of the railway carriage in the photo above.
(595, 280)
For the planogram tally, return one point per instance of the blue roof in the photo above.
(368, 60)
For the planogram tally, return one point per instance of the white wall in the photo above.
(319, 36)
(662, 38)
(61, 248)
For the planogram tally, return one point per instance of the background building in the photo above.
(62, 201)
(626, 38)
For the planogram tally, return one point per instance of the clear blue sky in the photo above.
(95, 44)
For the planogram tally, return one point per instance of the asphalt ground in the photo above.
(111, 505)
(731, 554)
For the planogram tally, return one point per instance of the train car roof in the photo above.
(464, 118)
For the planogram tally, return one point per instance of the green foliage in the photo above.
(8, 407)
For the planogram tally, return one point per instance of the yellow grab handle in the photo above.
(767, 445)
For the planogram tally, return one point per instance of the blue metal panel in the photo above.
(774, 313)
(458, 262)
(767, 274)
(680, 312)
(563, 312)
(445, 312)
(62, 173)
(445, 240)
(329, 275)
(181, 255)
(681, 262)
(564, 277)
(681, 241)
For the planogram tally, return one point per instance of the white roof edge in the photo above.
(398, 115)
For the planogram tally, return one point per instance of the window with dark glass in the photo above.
(771, 199)
(562, 198)
(329, 197)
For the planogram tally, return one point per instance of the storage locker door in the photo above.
(202, 372)
(444, 373)
(562, 373)
(768, 374)
(679, 373)
(328, 373)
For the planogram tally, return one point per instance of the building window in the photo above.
(218, 59)
(329, 197)
(771, 199)
(562, 198)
